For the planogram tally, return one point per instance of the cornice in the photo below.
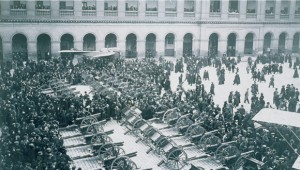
(142, 21)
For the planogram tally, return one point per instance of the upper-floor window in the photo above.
(111, 5)
(189, 6)
(151, 5)
(171, 6)
(251, 6)
(18, 4)
(215, 6)
(297, 9)
(42, 5)
(285, 5)
(66, 5)
(131, 5)
(89, 5)
(270, 7)
(233, 6)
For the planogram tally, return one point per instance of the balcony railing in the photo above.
(151, 14)
(297, 16)
(214, 14)
(189, 14)
(251, 15)
(270, 16)
(88, 12)
(233, 15)
(66, 12)
(110, 13)
(284, 16)
(42, 12)
(18, 12)
(171, 14)
(131, 13)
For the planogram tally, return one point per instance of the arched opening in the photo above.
(131, 46)
(170, 45)
(267, 42)
(150, 45)
(19, 47)
(66, 42)
(1, 51)
(213, 45)
(188, 44)
(89, 42)
(43, 47)
(249, 43)
(296, 39)
(281, 42)
(110, 41)
(231, 44)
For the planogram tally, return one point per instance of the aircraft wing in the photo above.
(102, 54)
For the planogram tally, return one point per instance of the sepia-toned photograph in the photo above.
(149, 85)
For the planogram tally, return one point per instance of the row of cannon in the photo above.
(174, 155)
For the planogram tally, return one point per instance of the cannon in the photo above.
(183, 123)
(227, 153)
(194, 132)
(123, 163)
(171, 116)
(209, 142)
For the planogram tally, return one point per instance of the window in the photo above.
(131, 5)
(171, 5)
(233, 6)
(111, 5)
(18, 5)
(285, 5)
(89, 5)
(270, 7)
(297, 9)
(151, 5)
(215, 6)
(251, 6)
(68, 5)
(189, 6)
(42, 5)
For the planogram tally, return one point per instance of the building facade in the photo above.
(149, 27)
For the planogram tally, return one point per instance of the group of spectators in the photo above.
(30, 119)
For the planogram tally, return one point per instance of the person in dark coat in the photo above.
(212, 88)
(296, 74)
(236, 80)
(271, 81)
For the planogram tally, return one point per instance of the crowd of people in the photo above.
(30, 120)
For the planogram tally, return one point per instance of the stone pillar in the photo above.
(224, 9)
(121, 44)
(261, 7)
(243, 9)
(55, 47)
(180, 8)
(205, 9)
(141, 48)
(204, 47)
(77, 8)
(99, 45)
(178, 47)
(78, 44)
(100, 8)
(222, 46)
(197, 9)
(160, 47)
(54, 8)
(5, 8)
(196, 46)
(7, 50)
(277, 9)
(289, 44)
(292, 9)
(274, 45)
(30, 5)
(161, 8)
(240, 46)
(141, 8)
(121, 8)
(32, 50)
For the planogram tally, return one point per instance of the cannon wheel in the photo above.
(239, 163)
(109, 150)
(204, 138)
(88, 121)
(177, 159)
(225, 150)
(160, 142)
(138, 124)
(123, 163)
(94, 128)
(101, 139)
(193, 130)
(169, 115)
(183, 121)
(212, 140)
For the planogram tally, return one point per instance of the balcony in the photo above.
(215, 14)
(18, 12)
(284, 16)
(297, 16)
(189, 14)
(110, 13)
(131, 13)
(269, 15)
(43, 12)
(66, 12)
(151, 14)
(233, 15)
(170, 13)
(251, 15)
(89, 12)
